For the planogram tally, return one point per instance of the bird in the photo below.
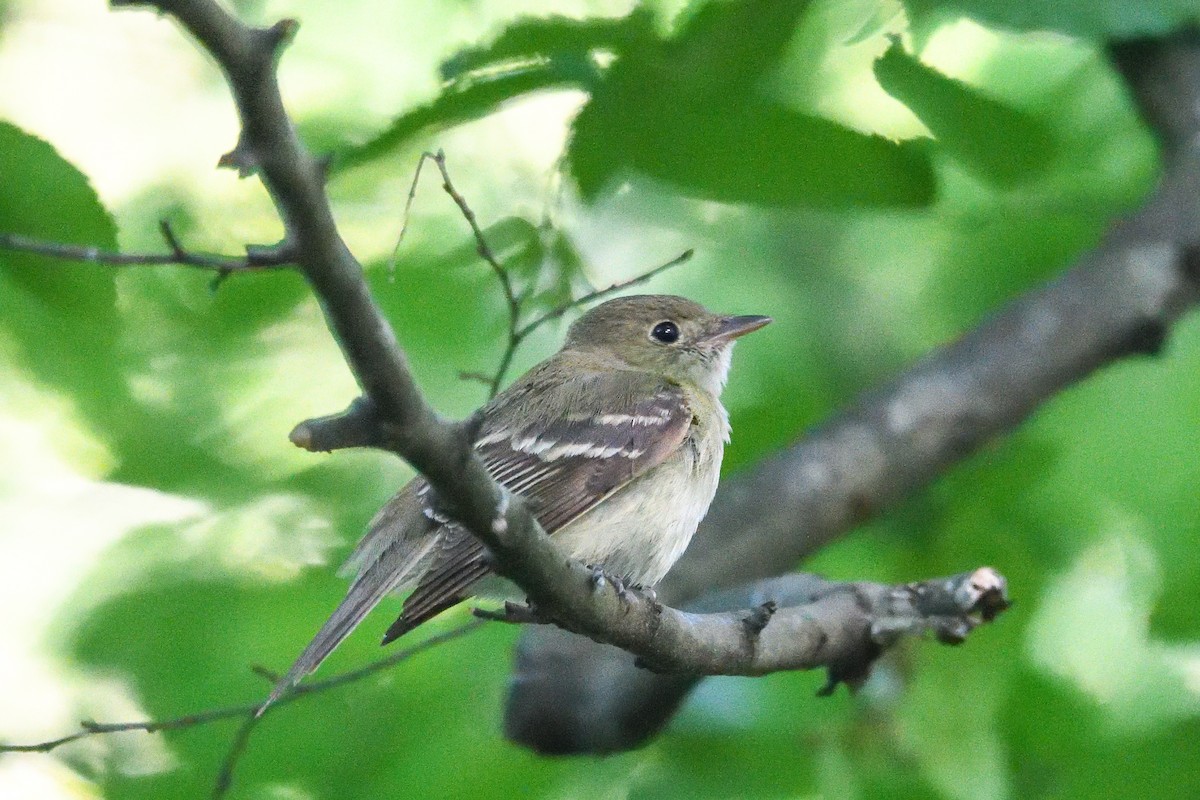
(615, 444)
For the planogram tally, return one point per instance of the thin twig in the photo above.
(89, 728)
(478, 377)
(256, 259)
(481, 246)
(268, 675)
(236, 748)
(487, 254)
(518, 333)
(591, 297)
(408, 204)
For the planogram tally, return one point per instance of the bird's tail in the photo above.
(371, 586)
(460, 564)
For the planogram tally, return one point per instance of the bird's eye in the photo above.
(665, 332)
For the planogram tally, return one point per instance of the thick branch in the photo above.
(268, 145)
(1119, 300)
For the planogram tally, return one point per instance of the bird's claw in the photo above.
(647, 592)
(600, 578)
(513, 613)
(627, 593)
(758, 617)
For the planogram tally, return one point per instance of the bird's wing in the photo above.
(403, 524)
(612, 431)
(611, 428)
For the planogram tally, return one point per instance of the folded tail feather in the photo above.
(364, 594)
(446, 584)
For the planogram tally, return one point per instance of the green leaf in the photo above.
(727, 46)
(59, 318)
(758, 153)
(551, 37)
(1098, 19)
(1000, 143)
(454, 106)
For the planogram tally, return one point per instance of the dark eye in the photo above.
(666, 332)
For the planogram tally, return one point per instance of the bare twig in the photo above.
(481, 245)
(89, 728)
(485, 251)
(600, 294)
(255, 260)
(408, 204)
(233, 755)
(477, 377)
(517, 334)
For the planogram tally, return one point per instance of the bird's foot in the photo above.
(647, 592)
(628, 593)
(513, 613)
(600, 579)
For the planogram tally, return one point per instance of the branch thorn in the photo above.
(758, 618)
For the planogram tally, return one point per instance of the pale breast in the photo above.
(641, 530)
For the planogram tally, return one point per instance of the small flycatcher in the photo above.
(615, 443)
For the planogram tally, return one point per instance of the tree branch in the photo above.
(257, 258)
(89, 728)
(572, 695)
(564, 590)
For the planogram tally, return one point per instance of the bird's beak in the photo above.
(729, 328)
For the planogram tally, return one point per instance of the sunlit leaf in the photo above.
(552, 37)
(1001, 143)
(455, 105)
(60, 317)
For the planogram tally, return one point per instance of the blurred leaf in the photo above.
(1097, 19)
(751, 153)
(60, 316)
(457, 104)
(175, 632)
(682, 110)
(688, 115)
(881, 18)
(552, 37)
(1058, 750)
(1092, 629)
(1001, 143)
(725, 47)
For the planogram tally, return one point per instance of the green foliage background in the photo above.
(876, 176)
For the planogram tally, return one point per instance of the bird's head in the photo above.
(670, 336)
